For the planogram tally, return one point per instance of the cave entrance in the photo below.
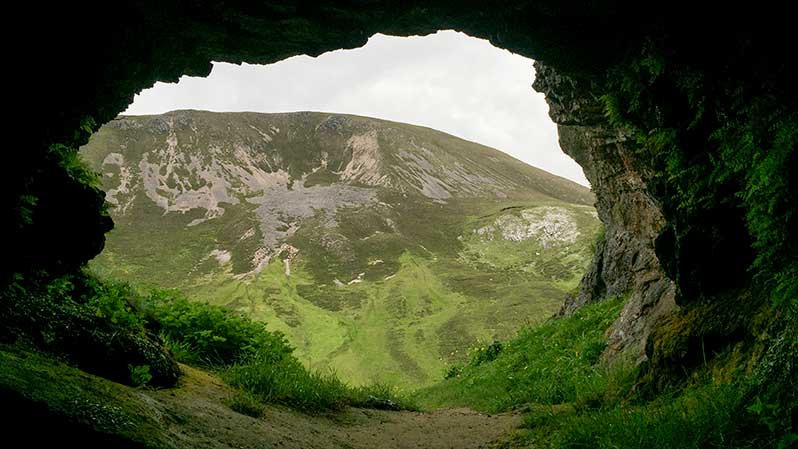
(382, 249)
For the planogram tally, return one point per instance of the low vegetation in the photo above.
(261, 363)
(113, 330)
(90, 324)
(207, 335)
(572, 399)
(725, 163)
(288, 382)
(703, 416)
(553, 372)
(553, 363)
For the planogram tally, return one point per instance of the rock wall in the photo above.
(625, 263)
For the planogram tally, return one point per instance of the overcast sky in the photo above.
(447, 81)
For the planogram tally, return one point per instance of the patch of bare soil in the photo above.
(196, 416)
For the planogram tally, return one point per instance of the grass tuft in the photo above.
(289, 383)
(246, 404)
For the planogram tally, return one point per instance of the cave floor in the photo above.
(196, 414)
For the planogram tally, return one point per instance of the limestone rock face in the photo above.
(625, 262)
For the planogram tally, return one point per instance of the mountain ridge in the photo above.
(581, 194)
(358, 116)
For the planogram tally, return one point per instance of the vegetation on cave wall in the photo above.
(59, 216)
(571, 397)
(722, 150)
(91, 324)
(717, 141)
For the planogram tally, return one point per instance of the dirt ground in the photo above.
(197, 417)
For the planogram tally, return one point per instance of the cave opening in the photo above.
(676, 115)
(262, 188)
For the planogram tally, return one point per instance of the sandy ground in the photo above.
(197, 417)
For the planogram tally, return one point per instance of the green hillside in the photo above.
(382, 250)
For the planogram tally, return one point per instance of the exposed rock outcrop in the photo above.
(625, 263)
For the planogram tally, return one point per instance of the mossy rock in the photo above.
(47, 403)
(112, 356)
(74, 332)
(717, 333)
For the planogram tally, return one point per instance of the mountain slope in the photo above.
(381, 249)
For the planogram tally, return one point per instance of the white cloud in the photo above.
(446, 81)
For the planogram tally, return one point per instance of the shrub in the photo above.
(481, 353)
(454, 370)
(89, 322)
(111, 301)
(211, 335)
(139, 375)
(106, 328)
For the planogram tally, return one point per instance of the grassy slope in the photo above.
(69, 403)
(445, 294)
(403, 330)
(551, 363)
(554, 374)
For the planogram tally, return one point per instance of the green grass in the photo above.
(246, 404)
(42, 393)
(289, 383)
(261, 363)
(242, 351)
(705, 415)
(415, 311)
(571, 399)
(403, 330)
(429, 290)
(552, 363)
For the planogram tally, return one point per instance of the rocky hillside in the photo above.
(381, 249)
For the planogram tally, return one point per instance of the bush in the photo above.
(210, 335)
(107, 329)
(90, 323)
(481, 354)
(139, 375)
(111, 301)
(454, 370)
